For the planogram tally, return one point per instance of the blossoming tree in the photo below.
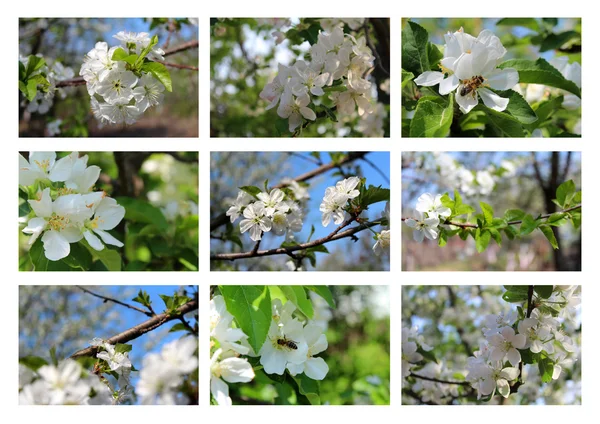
(107, 371)
(306, 77)
(271, 345)
(69, 222)
(126, 76)
(511, 77)
(459, 194)
(266, 214)
(491, 345)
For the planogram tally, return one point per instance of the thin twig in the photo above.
(335, 235)
(372, 47)
(141, 329)
(182, 47)
(437, 380)
(118, 302)
(376, 168)
(177, 65)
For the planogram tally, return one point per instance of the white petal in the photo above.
(418, 235)
(316, 368)
(449, 84)
(42, 207)
(492, 100)
(514, 357)
(429, 78)
(467, 102)
(502, 79)
(308, 113)
(220, 391)
(55, 245)
(108, 239)
(510, 373)
(503, 387)
(93, 240)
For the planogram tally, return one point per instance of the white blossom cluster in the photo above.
(333, 206)
(53, 72)
(469, 66)
(74, 211)
(163, 373)
(411, 341)
(338, 61)
(272, 211)
(496, 364)
(118, 96)
(291, 345)
(65, 384)
(429, 214)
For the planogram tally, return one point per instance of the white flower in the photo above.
(409, 352)
(220, 327)
(43, 166)
(59, 220)
(538, 337)
(347, 101)
(119, 113)
(423, 227)
(117, 87)
(148, 93)
(426, 203)
(314, 368)
(180, 355)
(332, 207)
(493, 323)
(505, 344)
(107, 215)
(53, 127)
(255, 221)
(273, 202)
(242, 200)
(117, 361)
(308, 81)
(497, 377)
(486, 182)
(231, 370)
(295, 108)
(347, 187)
(273, 91)
(82, 178)
(383, 242)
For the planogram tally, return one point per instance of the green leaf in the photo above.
(549, 235)
(329, 113)
(178, 327)
(142, 298)
(251, 190)
(540, 72)
(41, 263)
(109, 258)
(530, 23)
(31, 89)
(297, 295)
(543, 291)
(371, 195)
(565, 193)
(556, 41)
(406, 77)
(442, 237)
(434, 55)
(528, 225)
(488, 212)
(518, 289)
(34, 363)
(514, 297)
(414, 48)
(34, 63)
(122, 348)
(140, 211)
(527, 357)
(324, 292)
(546, 368)
(160, 72)
(251, 307)
(482, 239)
(518, 107)
(308, 388)
(433, 117)
(501, 124)
(147, 49)
(514, 215)
(427, 354)
(122, 55)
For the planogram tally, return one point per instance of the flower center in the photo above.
(43, 164)
(57, 222)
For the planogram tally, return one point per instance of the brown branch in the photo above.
(517, 222)
(141, 329)
(335, 235)
(436, 380)
(177, 65)
(182, 47)
(515, 387)
(118, 302)
(71, 82)
(223, 219)
(373, 49)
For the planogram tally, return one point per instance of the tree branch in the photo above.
(182, 47)
(118, 302)
(515, 387)
(335, 235)
(516, 222)
(141, 329)
(373, 49)
(223, 219)
(436, 380)
(177, 65)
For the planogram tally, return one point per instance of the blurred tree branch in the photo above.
(118, 302)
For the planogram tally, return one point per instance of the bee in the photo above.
(290, 344)
(470, 85)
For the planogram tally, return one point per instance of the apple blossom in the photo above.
(505, 344)
(427, 203)
(423, 227)
(255, 221)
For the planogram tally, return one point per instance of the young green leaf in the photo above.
(160, 72)
(297, 295)
(251, 190)
(433, 117)
(414, 48)
(324, 292)
(549, 235)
